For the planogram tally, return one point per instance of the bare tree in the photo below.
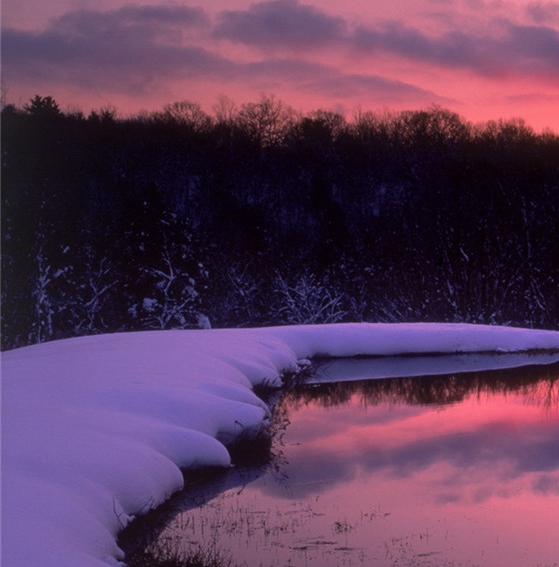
(225, 110)
(189, 114)
(267, 121)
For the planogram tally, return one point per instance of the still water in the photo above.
(449, 470)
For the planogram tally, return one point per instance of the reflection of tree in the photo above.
(539, 384)
(544, 394)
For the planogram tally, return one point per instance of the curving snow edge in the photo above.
(96, 429)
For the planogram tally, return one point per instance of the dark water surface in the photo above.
(445, 470)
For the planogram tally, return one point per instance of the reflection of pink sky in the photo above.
(505, 500)
(354, 430)
(475, 483)
(482, 59)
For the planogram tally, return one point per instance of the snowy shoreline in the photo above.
(96, 430)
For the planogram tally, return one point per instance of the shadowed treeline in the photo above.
(259, 215)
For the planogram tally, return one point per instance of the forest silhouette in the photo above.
(258, 215)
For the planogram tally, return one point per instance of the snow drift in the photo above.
(96, 429)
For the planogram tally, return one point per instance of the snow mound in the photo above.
(96, 429)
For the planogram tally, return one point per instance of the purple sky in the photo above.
(483, 59)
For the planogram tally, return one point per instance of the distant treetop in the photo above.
(43, 106)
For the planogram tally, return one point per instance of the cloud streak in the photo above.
(114, 63)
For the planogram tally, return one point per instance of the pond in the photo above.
(456, 469)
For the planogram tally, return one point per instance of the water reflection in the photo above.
(458, 469)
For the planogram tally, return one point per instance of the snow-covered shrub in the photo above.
(307, 301)
(166, 295)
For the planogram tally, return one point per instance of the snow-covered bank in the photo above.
(387, 339)
(95, 429)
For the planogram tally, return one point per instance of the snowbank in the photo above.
(386, 339)
(96, 429)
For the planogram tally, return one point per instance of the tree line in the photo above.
(257, 214)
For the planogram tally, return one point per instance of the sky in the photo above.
(484, 59)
